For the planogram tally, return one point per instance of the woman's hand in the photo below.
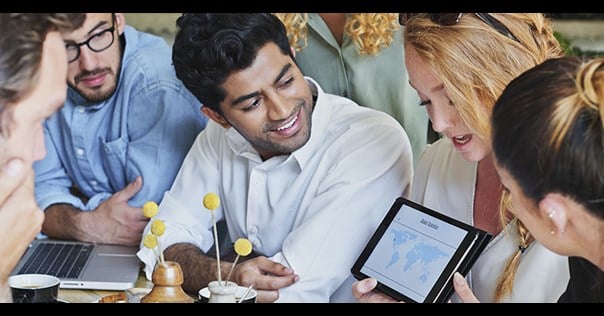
(463, 289)
(363, 292)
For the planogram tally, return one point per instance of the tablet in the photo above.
(415, 251)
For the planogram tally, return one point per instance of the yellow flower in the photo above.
(150, 209)
(150, 241)
(211, 201)
(243, 247)
(158, 228)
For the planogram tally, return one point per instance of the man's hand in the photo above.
(116, 222)
(364, 293)
(113, 221)
(266, 276)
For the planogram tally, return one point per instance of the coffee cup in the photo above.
(250, 296)
(34, 288)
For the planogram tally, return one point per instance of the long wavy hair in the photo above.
(370, 32)
(475, 63)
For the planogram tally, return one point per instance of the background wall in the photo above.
(162, 24)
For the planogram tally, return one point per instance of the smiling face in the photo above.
(442, 112)
(269, 103)
(25, 137)
(94, 75)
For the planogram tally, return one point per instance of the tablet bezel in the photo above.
(470, 237)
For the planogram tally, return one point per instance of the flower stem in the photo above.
(217, 249)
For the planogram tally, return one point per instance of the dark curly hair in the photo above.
(209, 47)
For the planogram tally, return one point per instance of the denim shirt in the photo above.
(144, 129)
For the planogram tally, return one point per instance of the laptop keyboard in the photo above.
(61, 260)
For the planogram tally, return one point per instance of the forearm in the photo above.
(198, 269)
(64, 221)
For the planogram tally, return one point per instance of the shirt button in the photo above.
(94, 182)
(81, 109)
(253, 229)
(80, 152)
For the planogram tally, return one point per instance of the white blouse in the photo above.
(445, 181)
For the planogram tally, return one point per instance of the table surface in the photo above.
(92, 296)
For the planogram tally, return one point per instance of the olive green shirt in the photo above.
(379, 82)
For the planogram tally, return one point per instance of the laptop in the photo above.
(82, 265)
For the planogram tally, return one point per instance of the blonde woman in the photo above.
(359, 56)
(459, 63)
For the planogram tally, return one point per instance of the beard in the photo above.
(100, 93)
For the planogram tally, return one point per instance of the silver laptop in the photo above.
(82, 265)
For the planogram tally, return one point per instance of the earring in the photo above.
(551, 232)
(551, 214)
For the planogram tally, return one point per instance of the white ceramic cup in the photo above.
(204, 295)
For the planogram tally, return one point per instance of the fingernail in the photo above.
(13, 167)
(459, 279)
(372, 282)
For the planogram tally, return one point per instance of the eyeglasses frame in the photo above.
(87, 42)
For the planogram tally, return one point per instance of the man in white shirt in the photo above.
(304, 175)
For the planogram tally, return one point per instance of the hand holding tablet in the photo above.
(415, 251)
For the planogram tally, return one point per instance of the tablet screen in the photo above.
(414, 252)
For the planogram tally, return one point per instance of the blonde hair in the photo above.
(370, 32)
(589, 97)
(475, 63)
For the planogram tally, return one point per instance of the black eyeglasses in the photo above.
(97, 42)
(448, 19)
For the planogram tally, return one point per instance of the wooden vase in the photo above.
(167, 280)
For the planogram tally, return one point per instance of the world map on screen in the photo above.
(417, 259)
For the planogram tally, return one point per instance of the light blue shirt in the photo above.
(144, 129)
(313, 210)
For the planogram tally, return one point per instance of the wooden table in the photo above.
(92, 296)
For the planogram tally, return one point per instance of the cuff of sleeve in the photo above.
(148, 258)
(46, 201)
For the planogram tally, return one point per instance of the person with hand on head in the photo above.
(548, 144)
(121, 137)
(33, 68)
(304, 175)
(360, 56)
(459, 63)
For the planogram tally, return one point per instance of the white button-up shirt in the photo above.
(313, 210)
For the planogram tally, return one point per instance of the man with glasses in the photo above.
(121, 136)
